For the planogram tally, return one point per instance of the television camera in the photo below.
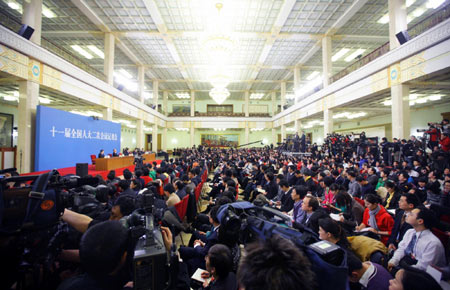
(32, 234)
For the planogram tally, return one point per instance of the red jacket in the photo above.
(445, 143)
(385, 222)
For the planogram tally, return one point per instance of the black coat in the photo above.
(399, 230)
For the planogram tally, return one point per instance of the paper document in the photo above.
(336, 217)
(198, 275)
(363, 230)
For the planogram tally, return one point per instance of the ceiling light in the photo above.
(312, 75)
(10, 98)
(47, 12)
(290, 129)
(174, 141)
(434, 97)
(131, 126)
(183, 95)
(182, 129)
(81, 51)
(418, 12)
(15, 93)
(421, 101)
(126, 73)
(384, 19)
(356, 115)
(44, 100)
(409, 18)
(410, 2)
(413, 96)
(339, 54)
(412, 103)
(96, 50)
(220, 129)
(256, 96)
(387, 103)
(340, 115)
(434, 3)
(148, 128)
(354, 55)
(13, 5)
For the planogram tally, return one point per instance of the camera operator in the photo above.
(445, 141)
(104, 255)
(385, 145)
(434, 135)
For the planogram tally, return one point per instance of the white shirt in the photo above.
(428, 249)
(365, 278)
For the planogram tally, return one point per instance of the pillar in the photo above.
(326, 61)
(165, 98)
(155, 138)
(192, 105)
(297, 126)
(327, 122)
(32, 16)
(192, 135)
(164, 139)
(28, 101)
(107, 114)
(247, 104)
(140, 137)
(274, 104)
(108, 64)
(155, 94)
(401, 121)
(283, 95)
(141, 83)
(247, 133)
(274, 137)
(297, 80)
(283, 133)
(397, 20)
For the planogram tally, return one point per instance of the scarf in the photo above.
(372, 219)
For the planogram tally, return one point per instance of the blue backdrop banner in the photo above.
(64, 139)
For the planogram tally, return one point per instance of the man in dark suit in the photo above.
(101, 154)
(290, 177)
(194, 257)
(406, 204)
(313, 213)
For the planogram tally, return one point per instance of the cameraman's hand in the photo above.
(167, 238)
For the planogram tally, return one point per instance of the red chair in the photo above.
(181, 207)
(93, 157)
(197, 192)
(110, 155)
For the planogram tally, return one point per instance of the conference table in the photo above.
(106, 164)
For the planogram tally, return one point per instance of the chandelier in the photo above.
(218, 46)
(219, 95)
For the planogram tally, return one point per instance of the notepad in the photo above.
(363, 230)
(336, 217)
(198, 276)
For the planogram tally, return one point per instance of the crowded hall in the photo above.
(225, 144)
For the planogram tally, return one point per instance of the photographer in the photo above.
(435, 135)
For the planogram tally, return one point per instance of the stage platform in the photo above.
(91, 170)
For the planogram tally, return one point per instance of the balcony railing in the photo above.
(424, 25)
(10, 22)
